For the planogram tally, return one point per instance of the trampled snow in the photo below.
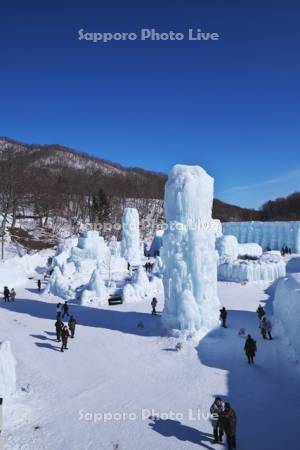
(270, 235)
(188, 253)
(8, 377)
(287, 308)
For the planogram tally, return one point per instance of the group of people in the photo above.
(223, 418)
(149, 266)
(264, 324)
(9, 294)
(286, 251)
(63, 332)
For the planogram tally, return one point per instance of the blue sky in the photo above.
(231, 105)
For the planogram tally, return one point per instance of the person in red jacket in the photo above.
(64, 337)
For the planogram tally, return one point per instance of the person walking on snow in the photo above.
(39, 285)
(72, 325)
(64, 337)
(223, 316)
(229, 420)
(6, 294)
(58, 311)
(250, 349)
(216, 411)
(65, 309)
(13, 295)
(153, 304)
(266, 328)
(260, 312)
(59, 327)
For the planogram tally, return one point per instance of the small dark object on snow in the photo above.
(178, 346)
(140, 325)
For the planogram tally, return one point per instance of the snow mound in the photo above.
(15, 271)
(229, 247)
(287, 308)
(95, 292)
(8, 379)
(142, 288)
(59, 285)
(188, 254)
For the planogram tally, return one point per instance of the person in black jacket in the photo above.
(58, 326)
(6, 294)
(72, 325)
(223, 316)
(250, 349)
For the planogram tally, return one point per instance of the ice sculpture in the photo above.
(189, 255)
(131, 236)
(95, 292)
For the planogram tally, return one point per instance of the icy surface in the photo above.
(141, 288)
(268, 267)
(156, 243)
(131, 249)
(14, 271)
(8, 380)
(270, 235)
(287, 308)
(228, 246)
(189, 256)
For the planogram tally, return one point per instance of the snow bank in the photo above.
(8, 379)
(131, 250)
(252, 250)
(268, 267)
(286, 308)
(229, 247)
(189, 256)
(15, 271)
(270, 235)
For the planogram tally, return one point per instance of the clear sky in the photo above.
(231, 105)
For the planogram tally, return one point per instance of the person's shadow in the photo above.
(168, 428)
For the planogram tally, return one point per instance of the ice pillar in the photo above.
(131, 236)
(189, 255)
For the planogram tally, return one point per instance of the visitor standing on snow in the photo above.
(260, 312)
(64, 337)
(59, 327)
(216, 411)
(58, 311)
(6, 294)
(223, 316)
(65, 309)
(250, 349)
(154, 304)
(266, 328)
(13, 295)
(39, 285)
(72, 325)
(229, 421)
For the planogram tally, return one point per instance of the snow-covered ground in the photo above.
(115, 366)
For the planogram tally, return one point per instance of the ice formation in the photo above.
(229, 247)
(189, 255)
(286, 308)
(131, 250)
(268, 267)
(90, 246)
(141, 288)
(8, 379)
(270, 235)
(95, 292)
(156, 243)
(15, 271)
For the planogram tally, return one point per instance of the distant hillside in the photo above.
(58, 188)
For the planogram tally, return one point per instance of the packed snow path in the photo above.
(115, 366)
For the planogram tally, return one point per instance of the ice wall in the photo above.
(270, 235)
(8, 379)
(286, 308)
(189, 256)
(131, 236)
